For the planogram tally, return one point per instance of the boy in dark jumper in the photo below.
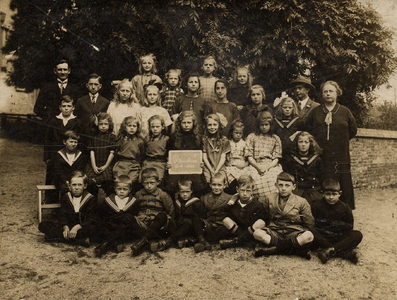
(116, 218)
(334, 225)
(73, 223)
(244, 211)
(216, 207)
(67, 160)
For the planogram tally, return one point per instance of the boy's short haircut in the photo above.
(186, 183)
(78, 174)
(245, 180)
(149, 173)
(218, 176)
(66, 99)
(70, 135)
(330, 185)
(285, 176)
(123, 179)
(95, 76)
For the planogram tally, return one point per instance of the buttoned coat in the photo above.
(295, 215)
(47, 102)
(86, 111)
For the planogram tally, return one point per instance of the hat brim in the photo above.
(294, 83)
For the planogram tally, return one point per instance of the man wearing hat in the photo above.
(301, 87)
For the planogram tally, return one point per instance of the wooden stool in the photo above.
(41, 205)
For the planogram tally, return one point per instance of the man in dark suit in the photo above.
(301, 87)
(90, 105)
(47, 103)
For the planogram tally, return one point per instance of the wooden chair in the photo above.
(41, 189)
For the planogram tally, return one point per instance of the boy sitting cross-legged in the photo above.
(216, 208)
(290, 222)
(155, 209)
(243, 213)
(73, 223)
(334, 225)
(186, 208)
(116, 222)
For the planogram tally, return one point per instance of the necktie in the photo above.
(93, 99)
(62, 85)
(300, 104)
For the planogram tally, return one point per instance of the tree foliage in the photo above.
(383, 116)
(340, 40)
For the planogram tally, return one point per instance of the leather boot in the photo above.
(186, 242)
(325, 254)
(119, 247)
(265, 251)
(102, 249)
(229, 243)
(202, 245)
(351, 255)
(138, 246)
(83, 242)
(161, 245)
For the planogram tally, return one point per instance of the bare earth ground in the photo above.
(34, 269)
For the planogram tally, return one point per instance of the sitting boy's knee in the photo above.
(229, 223)
(259, 224)
(306, 237)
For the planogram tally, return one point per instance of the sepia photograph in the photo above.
(198, 149)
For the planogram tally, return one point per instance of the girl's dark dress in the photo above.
(335, 144)
(101, 144)
(239, 95)
(308, 172)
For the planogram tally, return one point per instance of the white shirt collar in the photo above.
(65, 120)
(242, 204)
(304, 102)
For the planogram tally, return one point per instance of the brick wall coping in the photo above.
(375, 133)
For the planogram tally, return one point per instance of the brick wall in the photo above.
(374, 158)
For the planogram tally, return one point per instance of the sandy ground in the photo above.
(34, 269)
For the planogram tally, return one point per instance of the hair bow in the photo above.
(279, 99)
(153, 82)
(223, 119)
